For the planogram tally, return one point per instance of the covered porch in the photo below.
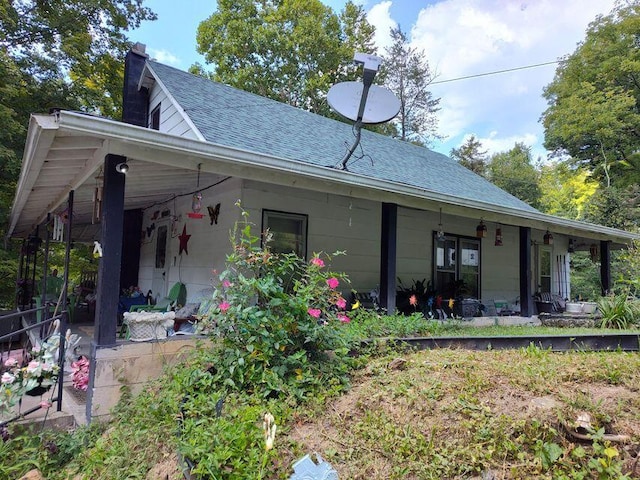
(74, 166)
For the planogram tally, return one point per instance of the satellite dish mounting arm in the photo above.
(371, 64)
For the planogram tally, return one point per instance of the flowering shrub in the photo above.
(278, 317)
(18, 378)
(80, 373)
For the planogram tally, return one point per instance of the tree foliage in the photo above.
(471, 155)
(79, 40)
(289, 50)
(565, 191)
(406, 73)
(593, 112)
(616, 207)
(514, 172)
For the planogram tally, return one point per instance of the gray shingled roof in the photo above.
(235, 118)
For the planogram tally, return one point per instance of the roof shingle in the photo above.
(235, 118)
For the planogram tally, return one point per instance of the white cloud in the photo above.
(380, 16)
(469, 37)
(495, 143)
(164, 56)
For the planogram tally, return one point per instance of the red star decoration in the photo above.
(184, 238)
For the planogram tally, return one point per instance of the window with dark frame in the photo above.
(288, 231)
(456, 265)
(155, 118)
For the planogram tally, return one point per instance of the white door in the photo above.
(162, 261)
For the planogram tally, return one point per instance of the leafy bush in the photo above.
(619, 311)
(366, 324)
(278, 319)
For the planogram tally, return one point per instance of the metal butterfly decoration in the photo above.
(213, 213)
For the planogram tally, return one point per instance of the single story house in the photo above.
(193, 147)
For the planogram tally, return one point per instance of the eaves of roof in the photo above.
(185, 154)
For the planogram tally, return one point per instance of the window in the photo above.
(457, 266)
(289, 231)
(161, 246)
(544, 269)
(155, 118)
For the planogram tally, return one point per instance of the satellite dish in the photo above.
(381, 105)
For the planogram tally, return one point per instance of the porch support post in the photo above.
(45, 270)
(388, 257)
(526, 295)
(605, 266)
(110, 264)
(64, 321)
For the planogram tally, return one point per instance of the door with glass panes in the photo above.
(457, 267)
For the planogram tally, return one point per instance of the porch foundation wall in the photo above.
(132, 365)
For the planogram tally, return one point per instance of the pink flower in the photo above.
(10, 362)
(45, 404)
(341, 303)
(226, 283)
(33, 366)
(314, 312)
(333, 282)
(317, 262)
(343, 318)
(7, 378)
(413, 300)
(224, 306)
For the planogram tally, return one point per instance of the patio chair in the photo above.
(52, 295)
(176, 297)
(85, 292)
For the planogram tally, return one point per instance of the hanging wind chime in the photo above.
(196, 201)
(97, 199)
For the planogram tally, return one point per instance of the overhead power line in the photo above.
(486, 74)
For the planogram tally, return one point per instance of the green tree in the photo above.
(566, 191)
(290, 50)
(514, 172)
(78, 40)
(471, 155)
(593, 112)
(615, 207)
(406, 73)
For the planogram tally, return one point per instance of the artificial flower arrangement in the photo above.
(32, 377)
(80, 373)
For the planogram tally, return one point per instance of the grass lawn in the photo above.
(438, 414)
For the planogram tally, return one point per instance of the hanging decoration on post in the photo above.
(572, 247)
(548, 238)
(593, 252)
(196, 201)
(498, 242)
(97, 249)
(97, 199)
(481, 230)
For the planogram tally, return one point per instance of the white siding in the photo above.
(335, 223)
(171, 119)
(207, 247)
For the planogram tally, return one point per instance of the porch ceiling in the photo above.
(58, 161)
(66, 151)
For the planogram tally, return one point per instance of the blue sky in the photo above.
(460, 38)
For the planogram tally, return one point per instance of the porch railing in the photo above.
(23, 339)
